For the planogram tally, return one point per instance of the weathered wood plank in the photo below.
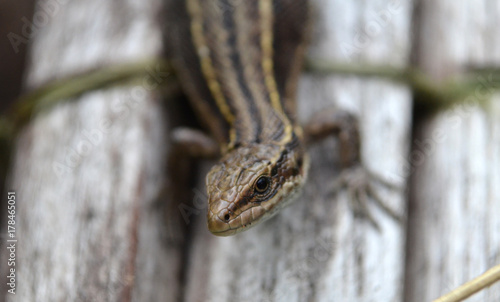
(455, 205)
(315, 250)
(87, 172)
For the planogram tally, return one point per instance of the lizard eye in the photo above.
(262, 184)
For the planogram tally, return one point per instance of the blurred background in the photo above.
(12, 52)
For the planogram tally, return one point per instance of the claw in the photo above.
(358, 183)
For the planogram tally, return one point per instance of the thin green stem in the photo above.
(428, 93)
(69, 88)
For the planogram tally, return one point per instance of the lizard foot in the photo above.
(359, 183)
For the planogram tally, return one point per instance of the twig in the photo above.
(51, 94)
(66, 89)
(428, 93)
(468, 289)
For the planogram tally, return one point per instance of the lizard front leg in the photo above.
(357, 180)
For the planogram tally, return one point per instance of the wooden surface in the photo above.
(454, 230)
(89, 228)
(86, 173)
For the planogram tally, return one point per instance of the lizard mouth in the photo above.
(218, 225)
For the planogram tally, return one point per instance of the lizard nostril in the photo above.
(226, 217)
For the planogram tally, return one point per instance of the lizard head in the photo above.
(251, 183)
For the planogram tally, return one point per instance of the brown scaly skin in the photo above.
(245, 188)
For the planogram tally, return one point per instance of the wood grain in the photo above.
(455, 199)
(87, 172)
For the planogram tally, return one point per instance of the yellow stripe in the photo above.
(195, 10)
(266, 43)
